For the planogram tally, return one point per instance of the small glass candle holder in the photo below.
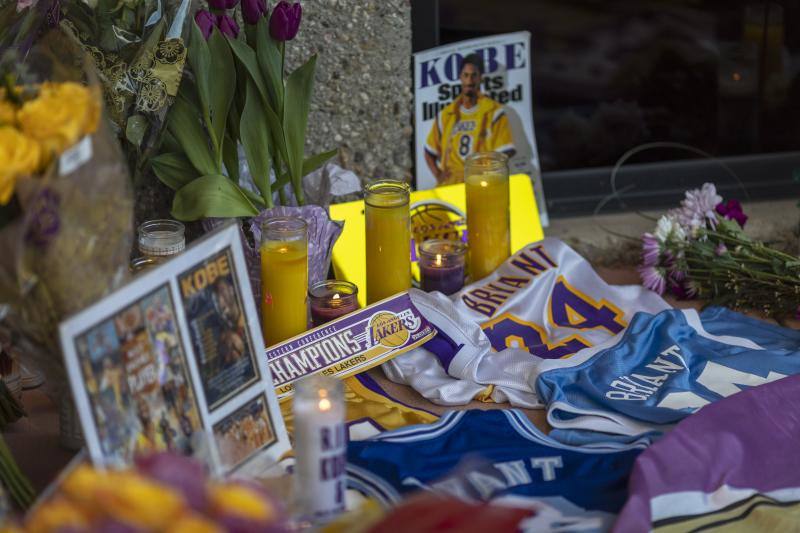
(159, 240)
(284, 278)
(388, 239)
(330, 299)
(320, 446)
(488, 217)
(441, 265)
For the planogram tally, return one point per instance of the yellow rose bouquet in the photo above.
(66, 204)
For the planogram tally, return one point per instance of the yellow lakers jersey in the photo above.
(370, 409)
(458, 132)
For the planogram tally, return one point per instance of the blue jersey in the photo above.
(663, 368)
(496, 455)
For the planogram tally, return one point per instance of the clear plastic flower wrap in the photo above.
(69, 227)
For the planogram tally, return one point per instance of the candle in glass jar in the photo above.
(441, 265)
(388, 239)
(320, 446)
(284, 278)
(488, 219)
(331, 299)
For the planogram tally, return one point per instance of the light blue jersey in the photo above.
(497, 455)
(663, 368)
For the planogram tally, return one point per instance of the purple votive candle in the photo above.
(441, 265)
(331, 299)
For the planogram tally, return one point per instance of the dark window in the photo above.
(722, 77)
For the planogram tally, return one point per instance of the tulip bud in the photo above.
(227, 26)
(222, 4)
(285, 21)
(253, 10)
(205, 21)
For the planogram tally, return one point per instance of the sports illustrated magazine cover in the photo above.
(135, 372)
(475, 96)
(218, 329)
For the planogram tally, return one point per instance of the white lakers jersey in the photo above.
(544, 302)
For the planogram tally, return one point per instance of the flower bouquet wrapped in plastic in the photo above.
(66, 205)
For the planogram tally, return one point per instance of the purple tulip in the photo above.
(253, 10)
(227, 26)
(206, 22)
(285, 21)
(222, 4)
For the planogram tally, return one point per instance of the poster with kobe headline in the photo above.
(169, 362)
(475, 96)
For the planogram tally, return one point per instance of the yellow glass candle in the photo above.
(388, 239)
(488, 219)
(284, 278)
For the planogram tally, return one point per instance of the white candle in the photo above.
(320, 447)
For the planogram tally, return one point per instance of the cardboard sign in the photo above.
(435, 214)
(173, 357)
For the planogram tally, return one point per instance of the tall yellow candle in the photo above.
(388, 239)
(488, 219)
(284, 278)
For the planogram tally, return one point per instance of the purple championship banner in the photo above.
(351, 344)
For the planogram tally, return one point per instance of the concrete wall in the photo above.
(363, 93)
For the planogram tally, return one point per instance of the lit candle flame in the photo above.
(438, 259)
(324, 404)
(336, 296)
(484, 184)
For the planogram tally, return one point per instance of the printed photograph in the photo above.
(244, 432)
(218, 328)
(134, 369)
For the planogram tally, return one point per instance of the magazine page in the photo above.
(475, 96)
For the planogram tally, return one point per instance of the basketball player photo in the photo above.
(473, 122)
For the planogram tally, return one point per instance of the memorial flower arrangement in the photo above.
(164, 492)
(700, 250)
(239, 96)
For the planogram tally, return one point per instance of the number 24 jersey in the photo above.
(544, 302)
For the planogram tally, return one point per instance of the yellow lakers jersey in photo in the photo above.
(458, 132)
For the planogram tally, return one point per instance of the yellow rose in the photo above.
(141, 502)
(55, 515)
(241, 501)
(60, 116)
(19, 155)
(7, 113)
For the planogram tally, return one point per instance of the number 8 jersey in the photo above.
(544, 302)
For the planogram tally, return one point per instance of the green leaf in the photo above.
(173, 169)
(169, 143)
(309, 165)
(299, 87)
(255, 140)
(211, 196)
(230, 155)
(185, 126)
(247, 57)
(271, 62)
(223, 85)
(135, 128)
(200, 61)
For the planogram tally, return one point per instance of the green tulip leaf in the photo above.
(230, 156)
(299, 87)
(211, 196)
(309, 165)
(184, 125)
(169, 143)
(255, 140)
(247, 57)
(173, 169)
(271, 61)
(223, 86)
(200, 61)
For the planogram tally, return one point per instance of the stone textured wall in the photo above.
(363, 92)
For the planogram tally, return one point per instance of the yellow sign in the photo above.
(435, 213)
